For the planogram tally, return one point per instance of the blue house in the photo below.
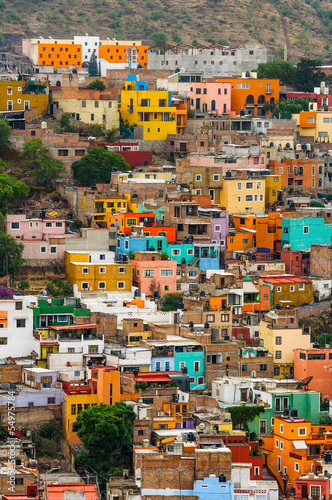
(208, 255)
(214, 488)
(181, 251)
(126, 244)
(300, 234)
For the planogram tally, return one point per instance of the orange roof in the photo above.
(57, 491)
(284, 279)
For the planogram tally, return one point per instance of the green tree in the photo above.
(10, 255)
(23, 285)
(97, 165)
(5, 131)
(125, 129)
(65, 123)
(282, 70)
(93, 66)
(222, 41)
(285, 109)
(308, 74)
(94, 130)
(11, 189)
(43, 167)
(106, 433)
(96, 85)
(158, 37)
(59, 288)
(48, 439)
(170, 301)
(113, 134)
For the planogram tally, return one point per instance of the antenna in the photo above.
(304, 383)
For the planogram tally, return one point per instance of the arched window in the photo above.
(272, 100)
(213, 105)
(250, 99)
(261, 99)
(58, 83)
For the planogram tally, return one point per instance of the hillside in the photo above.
(305, 25)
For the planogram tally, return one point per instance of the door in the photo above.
(198, 104)
(262, 426)
(304, 491)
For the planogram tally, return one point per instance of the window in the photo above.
(190, 251)
(276, 371)
(157, 366)
(3, 340)
(305, 229)
(277, 443)
(15, 225)
(73, 409)
(149, 273)
(244, 368)
(121, 284)
(85, 270)
(279, 289)
(31, 404)
(263, 368)
(176, 251)
(9, 105)
(285, 471)
(256, 471)
(166, 272)
(51, 401)
(85, 286)
(101, 270)
(265, 296)
(18, 306)
(182, 365)
(302, 431)
(279, 464)
(83, 104)
(225, 317)
(301, 286)
(292, 288)
(239, 186)
(216, 177)
(20, 323)
(281, 445)
(196, 366)
(92, 117)
(141, 432)
(296, 467)
(259, 185)
(210, 318)
(238, 199)
(198, 177)
(249, 197)
(278, 340)
(121, 270)
(93, 349)
(249, 185)
(261, 197)
(102, 256)
(281, 429)
(102, 285)
(278, 354)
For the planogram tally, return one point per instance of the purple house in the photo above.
(220, 229)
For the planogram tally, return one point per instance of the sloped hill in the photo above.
(304, 25)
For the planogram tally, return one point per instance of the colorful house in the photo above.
(113, 205)
(289, 290)
(251, 93)
(243, 196)
(151, 274)
(210, 97)
(300, 234)
(298, 172)
(152, 110)
(181, 251)
(314, 123)
(273, 185)
(269, 233)
(57, 313)
(316, 363)
(22, 96)
(97, 271)
(126, 221)
(131, 244)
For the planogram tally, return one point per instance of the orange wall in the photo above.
(117, 53)
(104, 381)
(237, 244)
(62, 55)
(269, 231)
(155, 231)
(285, 168)
(304, 115)
(121, 219)
(257, 87)
(249, 222)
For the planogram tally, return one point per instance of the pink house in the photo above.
(252, 161)
(210, 97)
(42, 238)
(150, 273)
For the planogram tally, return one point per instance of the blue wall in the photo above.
(189, 359)
(140, 244)
(210, 488)
(162, 362)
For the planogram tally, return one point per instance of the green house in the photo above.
(57, 312)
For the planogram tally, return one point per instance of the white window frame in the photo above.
(281, 445)
(121, 287)
(85, 283)
(122, 270)
(166, 273)
(279, 463)
(277, 443)
(217, 229)
(198, 178)
(102, 270)
(292, 288)
(239, 186)
(176, 252)
(149, 273)
(261, 197)
(281, 429)
(41, 249)
(238, 199)
(15, 228)
(301, 286)
(190, 251)
(55, 251)
(102, 283)
(296, 467)
(85, 270)
(256, 471)
(259, 185)
(285, 470)
(301, 429)
(305, 229)
(216, 177)
(249, 185)
(279, 289)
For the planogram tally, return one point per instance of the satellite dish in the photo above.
(304, 382)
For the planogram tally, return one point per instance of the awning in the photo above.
(83, 326)
(300, 445)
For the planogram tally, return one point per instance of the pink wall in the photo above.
(144, 282)
(214, 92)
(319, 369)
(251, 162)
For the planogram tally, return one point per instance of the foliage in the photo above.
(190, 113)
(93, 66)
(308, 74)
(284, 109)
(11, 189)
(94, 130)
(65, 123)
(23, 285)
(97, 165)
(106, 433)
(125, 129)
(154, 287)
(43, 167)
(222, 41)
(142, 385)
(6, 293)
(59, 288)
(97, 85)
(324, 404)
(76, 225)
(158, 37)
(241, 415)
(48, 439)
(113, 134)
(315, 203)
(10, 255)
(170, 301)
(283, 70)
(5, 132)
(164, 256)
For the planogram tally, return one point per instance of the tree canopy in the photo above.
(283, 70)
(170, 301)
(5, 132)
(106, 433)
(65, 123)
(97, 165)
(285, 109)
(96, 85)
(43, 167)
(93, 66)
(11, 189)
(10, 255)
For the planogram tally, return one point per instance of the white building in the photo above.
(16, 328)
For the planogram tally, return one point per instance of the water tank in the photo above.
(42, 214)
(315, 345)
(43, 125)
(69, 215)
(327, 457)
(114, 169)
(137, 293)
(226, 337)
(191, 437)
(242, 112)
(181, 305)
(222, 478)
(294, 413)
(286, 412)
(228, 174)
(191, 324)
(206, 325)
(271, 144)
(185, 239)
(18, 461)
(145, 443)
(202, 293)
(183, 260)
(191, 239)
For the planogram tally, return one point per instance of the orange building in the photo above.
(169, 232)
(60, 55)
(117, 52)
(240, 241)
(126, 222)
(181, 116)
(303, 173)
(269, 233)
(295, 445)
(318, 364)
(250, 94)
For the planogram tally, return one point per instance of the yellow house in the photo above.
(150, 109)
(273, 184)
(109, 205)
(97, 272)
(281, 342)
(241, 196)
(22, 96)
(314, 123)
(92, 111)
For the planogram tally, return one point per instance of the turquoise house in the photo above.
(181, 251)
(300, 234)
(191, 357)
(127, 244)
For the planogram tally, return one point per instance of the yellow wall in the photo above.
(273, 184)
(156, 128)
(106, 113)
(306, 128)
(296, 298)
(230, 193)
(13, 91)
(112, 276)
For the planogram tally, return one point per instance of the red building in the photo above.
(241, 333)
(296, 262)
(313, 487)
(129, 151)
(322, 100)
(241, 447)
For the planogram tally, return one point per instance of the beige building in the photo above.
(92, 111)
